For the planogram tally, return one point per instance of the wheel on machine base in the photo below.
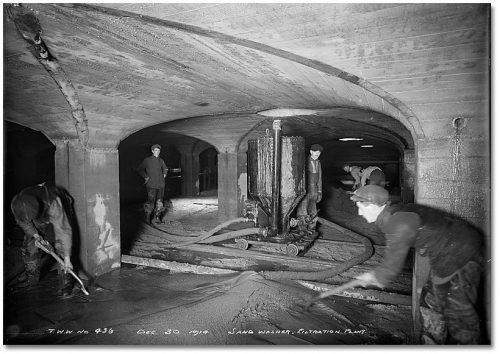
(292, 250)
(242, 244)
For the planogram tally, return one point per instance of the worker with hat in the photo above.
(362, 176)
(154, 171)
(453, 247)
(307, 211)
(43, 213)
(355, 172)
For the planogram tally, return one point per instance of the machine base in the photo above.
(295, 242)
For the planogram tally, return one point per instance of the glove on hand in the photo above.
(42, 243)
(368, 279)
(67, 265)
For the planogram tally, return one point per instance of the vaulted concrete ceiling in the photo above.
(206, 70)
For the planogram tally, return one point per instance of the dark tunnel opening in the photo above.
(28, 160)
(190, 193)
(208, 170)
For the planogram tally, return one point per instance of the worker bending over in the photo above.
(43, 211)
(447, 302)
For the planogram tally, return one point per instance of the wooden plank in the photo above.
(174, 267)
(239, 260)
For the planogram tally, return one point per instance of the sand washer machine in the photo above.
(276, 185)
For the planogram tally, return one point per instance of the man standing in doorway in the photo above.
(154, 171)
(307, 206)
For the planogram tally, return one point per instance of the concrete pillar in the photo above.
(241, 171)
(91, 176)
(190, 166)
(408, 170)
(453, 175)
(228, 185)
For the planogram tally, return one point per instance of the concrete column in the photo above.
(453, 175)
(242, 181)
(91, 176)
(190, 166)
(408, 170)
(228, 185)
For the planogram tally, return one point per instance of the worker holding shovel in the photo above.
(454, 249)
(39, 210)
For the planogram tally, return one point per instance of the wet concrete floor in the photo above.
(148, 306)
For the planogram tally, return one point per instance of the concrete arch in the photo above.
(401, 111)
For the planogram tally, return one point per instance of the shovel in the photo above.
(47, 247)
(350, 284)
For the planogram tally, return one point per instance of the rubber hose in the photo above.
(194, 237)
(232, 234)
(209, 233)
(174, 235)
(330, 272)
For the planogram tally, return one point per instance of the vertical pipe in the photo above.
(276, 176)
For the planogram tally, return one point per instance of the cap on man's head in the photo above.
(25, 207)
(371, 194)
(316, 147)
(155, 146)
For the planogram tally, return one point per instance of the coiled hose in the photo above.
(328, 273)
(208, 237)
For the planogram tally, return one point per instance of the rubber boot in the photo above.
(157, 218)
(147, 217)
(29, 278)
(302, 226)
(32, 264)
(66, 283)
(158, 212)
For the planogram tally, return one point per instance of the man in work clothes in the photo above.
(454, 249)
(314, 189)
(154, 172)
(355, 172)
(373, 175)
(44, 211)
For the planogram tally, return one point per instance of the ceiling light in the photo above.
(287, 112)
(350, 139)
(366, 146)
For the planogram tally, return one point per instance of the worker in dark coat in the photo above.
(370, 174)
(307, 207)
(154, 171)
(355, 172)
(454, 250)
(43, 211)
